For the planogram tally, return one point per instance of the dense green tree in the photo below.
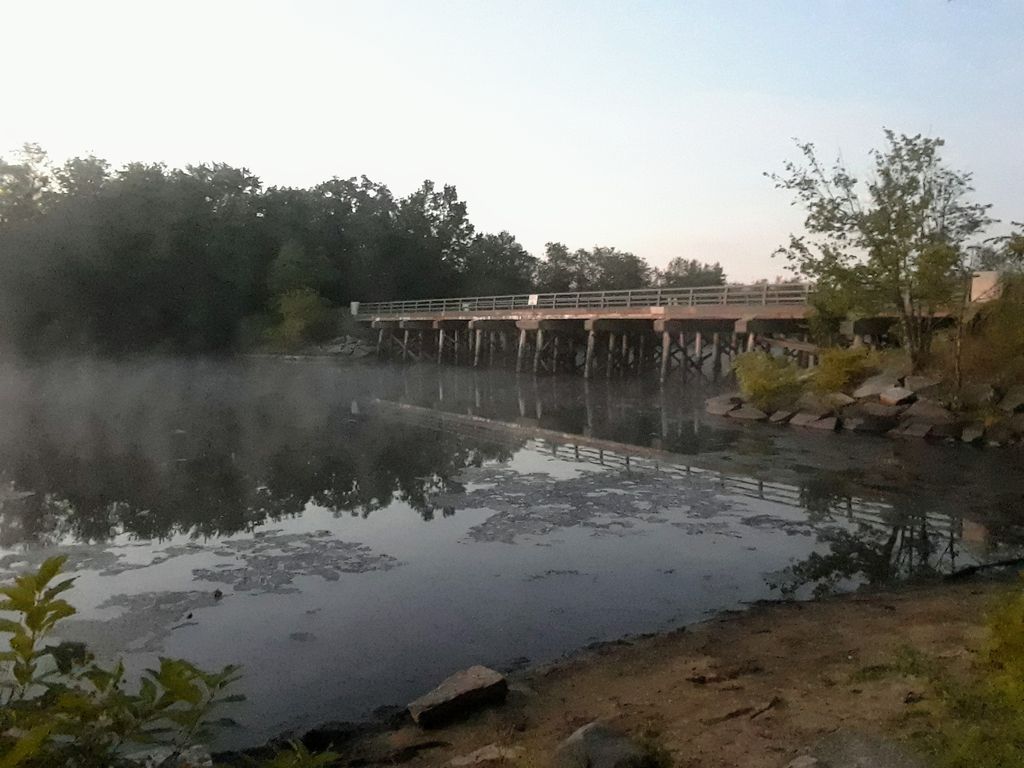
(900, 241)
(497, 264)
(690, 273)
(614, 270)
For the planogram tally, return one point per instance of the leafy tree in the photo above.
(684, 273)
(497, 264)
(615, 270)
(23, 184)
(898, 242)
(562, 271)
(296, 268)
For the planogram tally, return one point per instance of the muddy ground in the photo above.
(753, 689)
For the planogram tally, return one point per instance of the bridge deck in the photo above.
(725, 302)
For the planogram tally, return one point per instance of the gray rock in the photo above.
(747, 413)
(804, 761)
(977, 395)
(1013, 400)
(973, 432)
(1001, 433)
(929, 412)
(492, 753)
(780, 417)
(879, 409)
(597, 746)
(827, 423)
(867, 424)
(876, 385)
(950, 431)
(804, 419)
(460, 694)
(912, 429)
(722, 404)
(839, 399)
(920, 383)
(896, 396)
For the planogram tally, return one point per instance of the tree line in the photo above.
(146, 257)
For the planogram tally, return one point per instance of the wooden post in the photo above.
(405, 345)
(554, 353)
(751, 338)
(380, 342)
(684, 355)
(734, 348)
(492, 342)
(641, 351)
(625, 353)
(521, 351)
(537, 350)
(611, 353)
(440, 345)
(456, 340)
(716, 342)
(666, 354)
(588, 361)
(478, 347)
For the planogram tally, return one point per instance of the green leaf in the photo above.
(6, 625)
(50, 568)
(65, 585)
(27, 747)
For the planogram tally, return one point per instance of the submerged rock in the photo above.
(930, 412)
(492, 753)
(805, 419)
(973, 433)
(595, 745)
(459, 695)
(920, 384)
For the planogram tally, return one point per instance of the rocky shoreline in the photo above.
(747, 688)
(897, 406)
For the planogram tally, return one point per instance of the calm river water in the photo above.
(352, 534)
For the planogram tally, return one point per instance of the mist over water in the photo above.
(351, 534)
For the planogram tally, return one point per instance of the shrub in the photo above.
(60, 709)
(304, 317)
(842, 369)
(768, 382)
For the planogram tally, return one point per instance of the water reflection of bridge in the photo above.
(635, 458)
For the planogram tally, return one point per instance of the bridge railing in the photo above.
(749, 295)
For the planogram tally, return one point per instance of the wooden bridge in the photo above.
(617, 332)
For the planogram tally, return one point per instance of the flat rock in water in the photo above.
(811, 402)
(867, 424)
(896, 396)
(876, 385)
(913, 429)
(828, 423)
(804, 419)
(723, 404)
(747, 413)
(1013, 400)
(597, 746)
(780, 417)
(459, 695)
(929, 412)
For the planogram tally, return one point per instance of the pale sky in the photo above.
(646, 126)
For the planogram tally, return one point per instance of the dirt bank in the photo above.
(749, 689)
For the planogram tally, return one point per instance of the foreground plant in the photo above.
(58, 707)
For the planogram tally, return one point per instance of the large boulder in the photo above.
(812, 402)
(595, 745)
(876, 385)
(879, 409)
(780, 417)
(459, 695)
(805, 419)
(973, 433)
(896, 396)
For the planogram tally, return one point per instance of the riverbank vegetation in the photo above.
(205, 258)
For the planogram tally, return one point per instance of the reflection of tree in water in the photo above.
(215, 481)
(902, 543)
